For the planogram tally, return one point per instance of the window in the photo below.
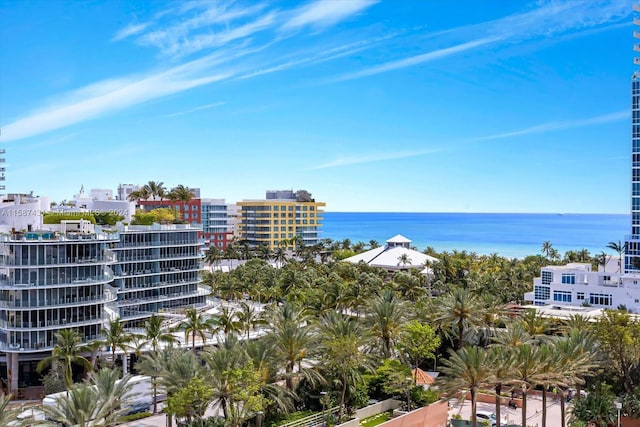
(275, 208)
(580, 296)
(568, 278)
(291, 208)
(562, 296)
(547, 277)
(186, 216)
(542, 292)
(600, 299)
(275, 229)
(194, 207)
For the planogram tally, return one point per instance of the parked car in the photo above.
(488, 416)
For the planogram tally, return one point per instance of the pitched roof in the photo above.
(422, 377)
(398, 238)
(389, 257)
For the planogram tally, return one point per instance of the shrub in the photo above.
(133, 417)
(55, 217)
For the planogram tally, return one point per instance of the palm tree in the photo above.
(458, 314)
(527, 372)
(249, 318)
(137, 195)
(226, 321)
(68, 350)
(385, 316)
(500, 362)
(181, 193)
(156, 189)
(467, 369)
(113, 393)
(8, 416)
(404, 260)
(79, 407)
(546, 249)
(116, 337)
(213, 255)
(195, 324)
(620, 248)
(341, 339)
(155, 333)
(289, 332)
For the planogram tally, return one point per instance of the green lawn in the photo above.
(375, 419)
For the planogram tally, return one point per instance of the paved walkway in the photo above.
(514, 416)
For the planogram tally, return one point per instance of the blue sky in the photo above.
(425, 106)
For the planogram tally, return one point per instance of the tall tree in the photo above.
(466, 370)
(341, 339)
(620, 248)
(458, 315)
(195, 324)
(417, 342)
(69, 350)
(117, 337)
(385, 316)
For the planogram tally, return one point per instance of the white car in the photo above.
(484, 416)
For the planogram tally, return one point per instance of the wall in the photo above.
(377, 408)
(434, 415)
(629, 422)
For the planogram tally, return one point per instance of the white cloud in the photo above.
(323, 13)
(550, 19)
(130, 30)
(417, 59)
(560, 125)
(101, 98)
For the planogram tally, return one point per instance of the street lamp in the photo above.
(618, 407)
(259, 418)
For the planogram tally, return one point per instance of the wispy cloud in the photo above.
(130, 30)
(112, 95)
(375, 157)
(559, 125)
(320, 57)
(417, 59)
(551, 19)
(538, 129)
(323, 13)
(193, 110)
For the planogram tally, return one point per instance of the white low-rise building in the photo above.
(576, 284)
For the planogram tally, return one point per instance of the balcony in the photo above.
(17, 325)
(55, 262)
(29, 347)
(10, 284)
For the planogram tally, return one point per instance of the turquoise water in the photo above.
(510, 235)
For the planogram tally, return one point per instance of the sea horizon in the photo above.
(512, 235)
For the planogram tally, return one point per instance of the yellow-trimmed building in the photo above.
(283, 216)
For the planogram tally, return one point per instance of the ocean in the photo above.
(509, 235)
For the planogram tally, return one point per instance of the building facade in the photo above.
(158, 268)
(576, 284)
(51, 280)
(211, 215)
(281, 216)
(632, 241)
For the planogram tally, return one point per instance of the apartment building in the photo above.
(158, 269)
(282, 216)
(51, 280)
(576, 284)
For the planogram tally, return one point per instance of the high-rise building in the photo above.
(158, 268)
(51, 280)
(632, 244)
(282, 216)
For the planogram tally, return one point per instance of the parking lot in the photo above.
(514, 416)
